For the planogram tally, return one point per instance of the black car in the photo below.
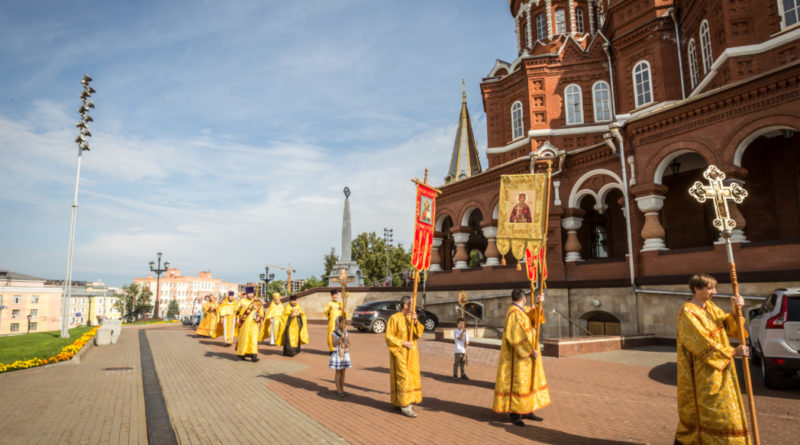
(373, 316)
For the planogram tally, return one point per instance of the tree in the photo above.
(369, 251)
(276, 286)
(134, 294)
(330, 260)
(173, 310)
(313, 282)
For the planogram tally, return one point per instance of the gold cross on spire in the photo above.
(719, 194)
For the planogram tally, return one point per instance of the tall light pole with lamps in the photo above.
(158, 271)
(387, 240)
(266, 277)
(83, 145)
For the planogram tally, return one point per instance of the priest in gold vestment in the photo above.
(294, 328)
(520, 387)
(404, 381)
(710, 406)
(250, 315)
(227, 319)
(272, 319)
(332, 311)
(208, 325)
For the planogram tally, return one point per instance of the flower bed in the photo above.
(66, 353)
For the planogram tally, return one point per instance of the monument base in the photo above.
(353, 272)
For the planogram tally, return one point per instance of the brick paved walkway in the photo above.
(212, 397)
(77, 403)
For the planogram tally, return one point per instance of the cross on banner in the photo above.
(343, 280)
(719, 194)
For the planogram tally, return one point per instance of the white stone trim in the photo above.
(568, 131)
(511, 146)
(571, 202)
(737, 156)
(466, 215)
(658, 176)
(747, 50)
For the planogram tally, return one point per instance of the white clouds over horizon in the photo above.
(225, 133)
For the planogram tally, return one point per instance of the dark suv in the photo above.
(373, 316)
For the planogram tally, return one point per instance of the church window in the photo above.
(602, 101)
(516, 120)
(561, 23)
(692, 56)
(573, 104)
(791, 11)
(579, 19)
(642, 89)
(705, 47)
(523, 27)
(541, 27)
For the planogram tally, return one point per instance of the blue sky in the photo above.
(225, 132)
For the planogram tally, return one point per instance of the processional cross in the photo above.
(720, 194)
(343, 280)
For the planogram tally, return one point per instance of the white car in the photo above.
(775, 336)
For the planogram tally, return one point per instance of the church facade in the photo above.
(632, 100)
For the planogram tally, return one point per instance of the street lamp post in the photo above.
(83, 145)
(158, 271)
(387, 240)
(266, 277)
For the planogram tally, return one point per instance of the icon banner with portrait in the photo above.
(522, 213)
(424, 218)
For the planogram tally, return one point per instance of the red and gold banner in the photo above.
(424, 219)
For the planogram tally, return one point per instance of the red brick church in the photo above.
(632, 100)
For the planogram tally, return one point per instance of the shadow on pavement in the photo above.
(223, 355)
(532, 431)
(351, 386)
(668, 375)
(328, 392)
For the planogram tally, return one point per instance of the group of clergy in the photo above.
(710, 404)
(249, 321)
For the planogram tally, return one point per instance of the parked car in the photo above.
(775, 336)
(373, 316)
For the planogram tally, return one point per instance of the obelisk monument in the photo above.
(346, 260)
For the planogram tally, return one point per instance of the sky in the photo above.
(225, 132)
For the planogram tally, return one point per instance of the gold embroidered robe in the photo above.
(251, 316)
(294, 330)
(332, 310)
(208, 325)
(272, 320)
(404, 380)
(226, 326)
(520, 386)
(710, 407)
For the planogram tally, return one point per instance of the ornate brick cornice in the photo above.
(773, 88)
(487, 177)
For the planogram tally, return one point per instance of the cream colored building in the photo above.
(25, 295)
(91, 304)
(186, 290)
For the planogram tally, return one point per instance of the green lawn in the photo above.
(40, 344)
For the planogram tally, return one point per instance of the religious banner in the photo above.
(423, 226)
(522, 216)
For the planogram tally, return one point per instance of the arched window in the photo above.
(642, 85)
(791, 11)
(602, 101)
(705, 47)
(692, 56)
(541, 27)
(573, 104)
(516, 120)
(579, 19)
(561, 23)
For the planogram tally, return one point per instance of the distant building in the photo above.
(297, 285)
(186, 290)
(91, 303)
(22, 295)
